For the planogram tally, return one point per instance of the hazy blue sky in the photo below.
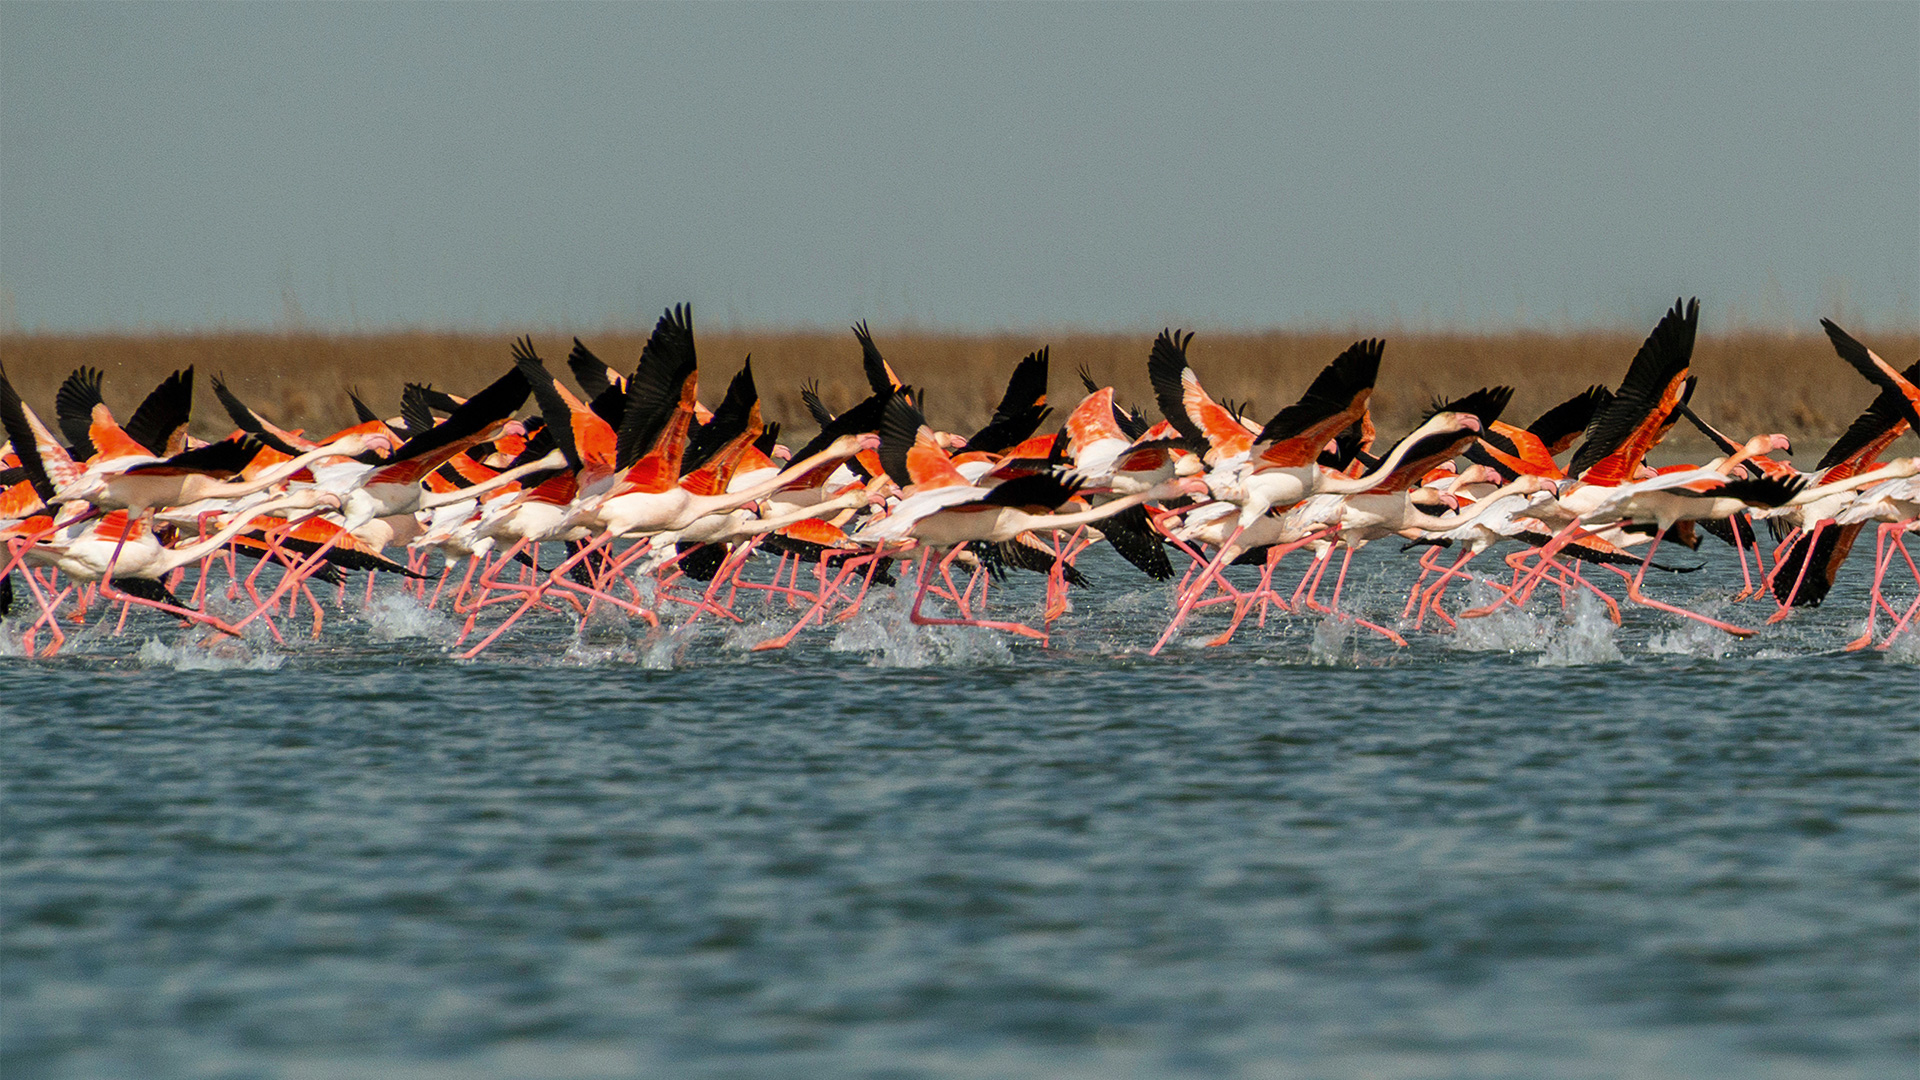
(968, 166)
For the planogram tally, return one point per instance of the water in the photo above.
(1544, 847)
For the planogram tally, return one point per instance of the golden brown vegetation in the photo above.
(1749, 382)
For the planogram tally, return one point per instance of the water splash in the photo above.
(1329, 645)
(222, 654)
(583, 654)
(665, 652)
(1139, 599)
(1508, 630)
(744, 636)
(1905, 648)
(1586, 638)
(884, 630)
(1692, 639)
(396, 616)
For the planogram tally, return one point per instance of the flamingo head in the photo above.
(317, 499)
(1531, 485)
(1475, 473)
(355, 443)
(1193, 487)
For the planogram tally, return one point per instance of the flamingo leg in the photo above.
(1613, 609)
(1736, 523)
(47, 610)
(531, 594)
(873, 571)
(1193, 595)
(111, 594)
(1778, 552)
(1523, 587)
(1430, 601)
(295, 573)
(1882, 558)
(729, 566)
(1906, 620)
(1263, 594)
(1312, 600)
(1306, 576)
(920, 596)
(1806, 561)
(1427, 567)
(446, 574)
(1634, 594)
(847, 568)
(1334, 608)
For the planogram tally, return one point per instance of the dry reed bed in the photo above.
(1749, 382)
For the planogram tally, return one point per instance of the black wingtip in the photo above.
(1857, 356)
(360, 409)
(13, 419)
(667, 361)
(1332, 391)
(1665, 354)
(246, 419)
(1047, 489)
(1485, 404)
(589, 372)
(73, 409)
(1570, 417)
(1762, 490)
(1131, 534)
(871, 362)
(729, 421)
(1022, 408)
(810, 398)
(899, 426)
(1164, 364)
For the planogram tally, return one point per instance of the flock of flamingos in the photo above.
(623, 492)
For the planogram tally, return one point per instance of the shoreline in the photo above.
(1750, 381)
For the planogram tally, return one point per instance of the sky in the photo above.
(959, 166)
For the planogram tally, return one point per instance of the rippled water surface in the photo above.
(1540, 847)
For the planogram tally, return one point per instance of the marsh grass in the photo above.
(1749, 382)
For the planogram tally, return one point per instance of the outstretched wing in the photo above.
(1334, 401)
(1022, 408)
(1623, 430)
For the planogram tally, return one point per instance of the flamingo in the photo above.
(114, 548)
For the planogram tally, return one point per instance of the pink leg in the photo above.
(1523, 588)
(1427, 567)
(1634, 594)
(1806, 562)
(926, 620)
(847, 568)
(1906, 620)
(873, 570)
(446, 571)
(48, 609)
(1430, 601)
(1881, 559)
(1193, 595)
(109, 593)
(1334, 608)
